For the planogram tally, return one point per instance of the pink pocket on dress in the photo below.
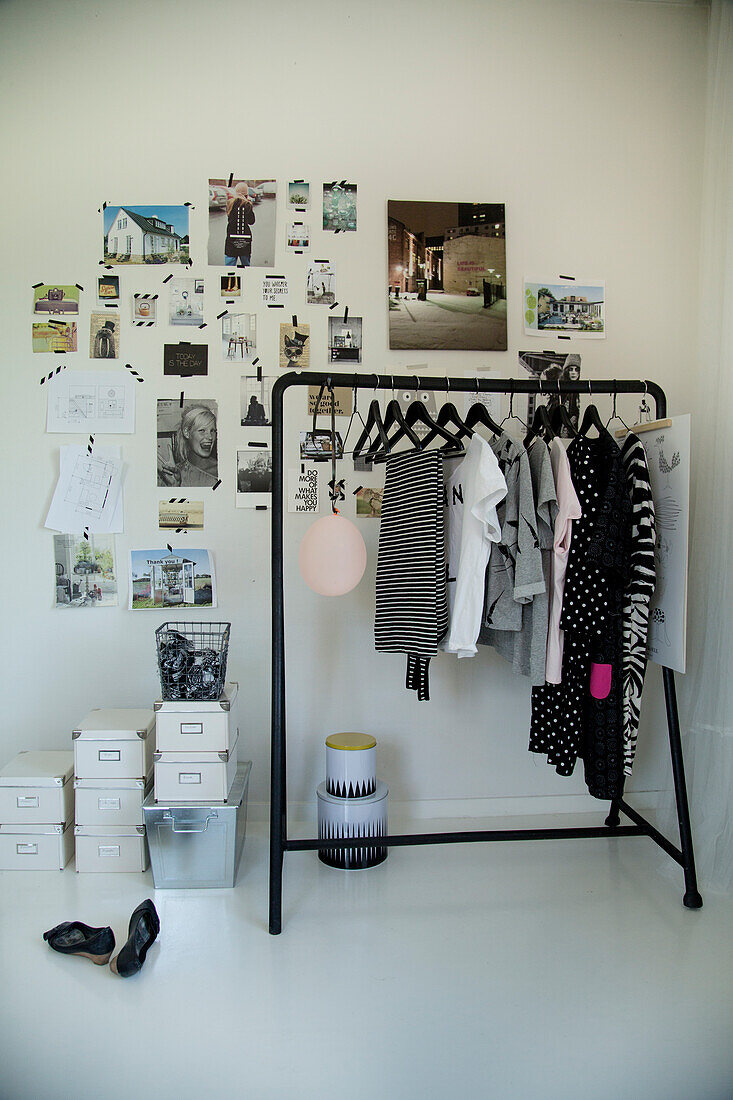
(600, 680)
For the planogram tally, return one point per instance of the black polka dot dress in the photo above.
(567, 720)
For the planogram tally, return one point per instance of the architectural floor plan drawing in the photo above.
(93, 401)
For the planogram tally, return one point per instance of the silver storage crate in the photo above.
(193, 726)
(111, 848)
(35, 847)
(36, 788)
(194, 776)
(194, 846)
(111, 801)
(114, 744)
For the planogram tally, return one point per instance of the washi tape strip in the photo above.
(259, 374)
(176, 500)
(108, 267)
(102, 207)
(358, 489)
(78, 286)
(260, 507)
(48, 377)
(90, 444)
(36, 286)
(168, 278)
(180, 403)
(571, 278)
(189, 204)
(223, 313)
(203, 324)
(231, 178)
(333, 306)
(85, 532)
(252, 443)
(295, 320)
(169, 547)
(346, 314)
(216, 486)
(134, 373)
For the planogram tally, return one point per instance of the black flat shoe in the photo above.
(143, 931)
(75, 938)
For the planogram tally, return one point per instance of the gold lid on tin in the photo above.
(351, 741)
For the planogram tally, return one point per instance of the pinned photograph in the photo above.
(231, 286)
(164, 578)
(145, 234)
(104, 335)
(56, 299)
(254, 477)
(238, 337)
(54, 336)
(447, 276)
(318, 445)
(186, 301)
(553, 367)
(344, 339)
(255, 401)
(185, 360)
(568, 307)
(320, 286)
(187, 445)
(298, 237)
(339, 207)
(295, 347)
(180, 515)
(303, 494)
(108, 289)
(85, 571)
(145, 309)
(242, 215)
(299, 194)
(369, 502)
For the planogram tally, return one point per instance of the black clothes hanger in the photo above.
(561, 418)
(373, 420)
(448, 415)
(393, 415)
(416, 413)
(541, 426)
(479, 414)
(591, 418)
(511, 415)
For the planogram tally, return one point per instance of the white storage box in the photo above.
(194, 776)
(35, 847)
(114, 744)
(36, 788)
(195, 846)
(111, 848)
(196, 726)
(111, 801)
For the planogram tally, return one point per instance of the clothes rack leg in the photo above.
(614, 817)
(692, 898)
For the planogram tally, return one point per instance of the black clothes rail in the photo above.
(280, 843)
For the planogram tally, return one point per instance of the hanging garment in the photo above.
(568, 509)
(474, 486)
(526, 649)
(514, 573)
(582, 716)
(412, 606)
(639, 590)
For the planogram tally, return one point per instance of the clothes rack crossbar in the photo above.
(279, 840)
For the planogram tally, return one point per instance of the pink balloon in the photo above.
(332, 556)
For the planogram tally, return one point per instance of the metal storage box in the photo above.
(35, 847)
(111, 801)
(196, 726)
(194, 846)
(36, 788)
(111, 848)
(194, 776)
(114, 744)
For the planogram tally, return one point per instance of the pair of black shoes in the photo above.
(97, 944)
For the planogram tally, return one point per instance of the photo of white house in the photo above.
(146, 234)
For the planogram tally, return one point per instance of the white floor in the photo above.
(529, 970)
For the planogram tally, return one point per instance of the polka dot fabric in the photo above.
(567, 722)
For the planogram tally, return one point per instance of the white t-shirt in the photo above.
(472, 491)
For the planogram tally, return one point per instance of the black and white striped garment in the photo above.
(412, 604)
(639, 590)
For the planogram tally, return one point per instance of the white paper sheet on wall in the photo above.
(88, 492)
(668, 456)
(91, 401)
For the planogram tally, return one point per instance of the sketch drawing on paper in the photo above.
(90, 484)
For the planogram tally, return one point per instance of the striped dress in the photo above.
(639, 590)
(412, 605)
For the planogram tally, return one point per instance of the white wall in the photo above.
(413, 99)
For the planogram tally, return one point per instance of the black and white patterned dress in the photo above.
(639, 591)
(412, 604)
(567, 721)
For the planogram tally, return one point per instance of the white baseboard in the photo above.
(469, 808)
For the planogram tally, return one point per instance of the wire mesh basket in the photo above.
(192, 659)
